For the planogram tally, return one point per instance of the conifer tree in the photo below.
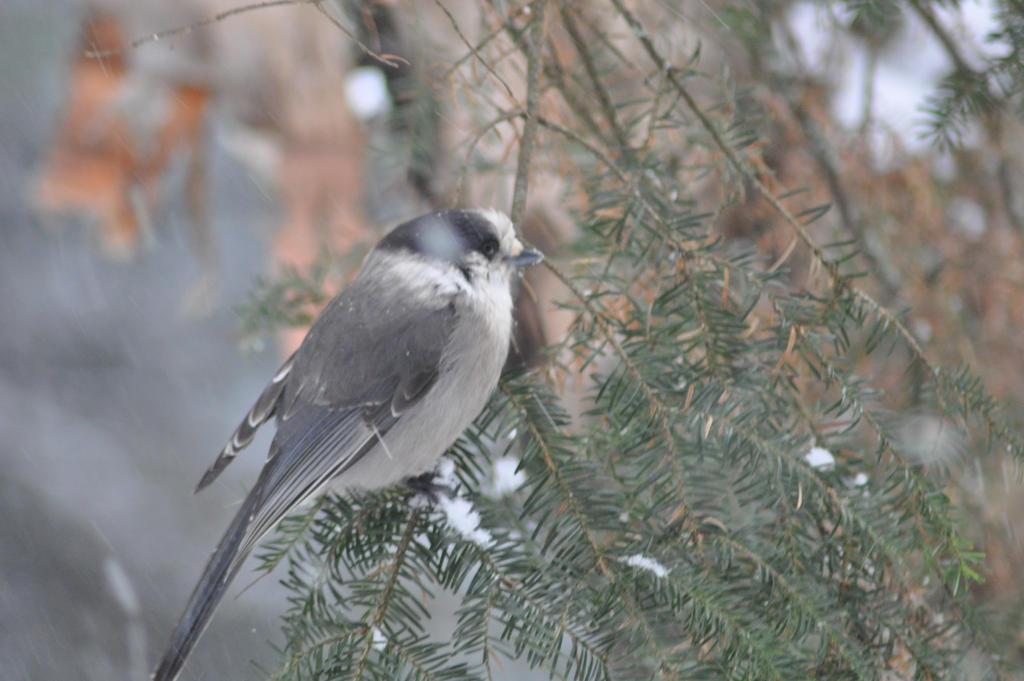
(738, 460)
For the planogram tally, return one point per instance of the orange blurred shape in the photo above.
(96, 167)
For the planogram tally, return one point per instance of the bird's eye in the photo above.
(489, 248)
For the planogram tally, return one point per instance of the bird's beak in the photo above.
(527, 256)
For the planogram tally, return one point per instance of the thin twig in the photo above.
(820, 152)
(948, 44)
(473, 50)
(607, 106)
(554, 74)
(534, 35)
(167, 33)
(460, 182)
(390, 60)
(1008, 193)
(847, 215)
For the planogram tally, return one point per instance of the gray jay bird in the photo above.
(392, 371)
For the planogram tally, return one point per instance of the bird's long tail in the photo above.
(217, 575)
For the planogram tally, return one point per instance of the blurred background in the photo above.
(146, 192)
(113, 395)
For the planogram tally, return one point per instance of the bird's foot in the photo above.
(425, 485)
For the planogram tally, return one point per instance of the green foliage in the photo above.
(976, 92)
(289, 300)
(671, 525)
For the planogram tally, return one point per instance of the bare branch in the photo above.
(387, 59)
(185, 30)
(534, 40)
(390, 60)
(607, 107)
(474, 51)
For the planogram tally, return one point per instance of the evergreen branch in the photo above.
(563, 619)
(425, 673)
(948, 44)
(638, 615)
(389, 589)
(658, 408)
(819, 151)
(919, 501)
(575, 506)
(655, 215)
(515, 587)
(794, 596)
(620, 135)
(319, 629)
(735, 629)
(809, 474)
(702, 320)
(836, 278)
(895, 625)
(297, 658)
(844, 509)
(641, 34)
(611, 165)
(485, 629)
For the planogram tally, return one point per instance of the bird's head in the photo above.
(476, 246)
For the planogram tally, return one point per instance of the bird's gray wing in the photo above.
(322, 444)
(370, 356)
(328, 375)
(260, 413)
(368, 343)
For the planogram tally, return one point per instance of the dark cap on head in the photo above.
(444, 235)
